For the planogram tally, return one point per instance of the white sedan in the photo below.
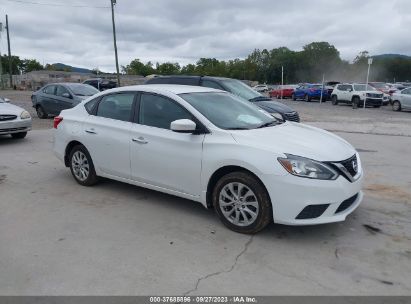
(209, 146)
(13, 120)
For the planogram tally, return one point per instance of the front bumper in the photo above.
(291, 195)
(15, 126)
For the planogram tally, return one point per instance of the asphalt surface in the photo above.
(58, 238)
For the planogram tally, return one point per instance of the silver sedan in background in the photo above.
(13, 120)
(401, 100)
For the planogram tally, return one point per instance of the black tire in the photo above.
(92, 177)
(355, 102)
(19, 135)
(334, 100)
(307, 98)
(396, 106)
(41, 113)
(264, 215)
(293, 97)
(376, 106)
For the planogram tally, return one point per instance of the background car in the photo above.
(235, 87)
(249, 167)
(13, 120)
(402, 100)
(355, 94)
(53, 98)
(261, 88)
(310, 92)
(101, 84)
(284, 91)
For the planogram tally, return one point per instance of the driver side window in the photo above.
(157, 111)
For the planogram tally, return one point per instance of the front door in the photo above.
(159, 156)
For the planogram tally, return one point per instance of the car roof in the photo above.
(171, 88)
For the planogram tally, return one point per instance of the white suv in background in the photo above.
(355, 94)
(261, 88)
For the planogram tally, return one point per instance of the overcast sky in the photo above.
(185, 30)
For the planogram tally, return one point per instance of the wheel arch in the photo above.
(219, 173)
(68, 149)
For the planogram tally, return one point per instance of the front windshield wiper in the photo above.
(238, 128)
(259, 98)
(269, 124)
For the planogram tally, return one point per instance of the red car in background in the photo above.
(286, 91)
(383, 87)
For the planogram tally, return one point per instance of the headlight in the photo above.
(304, 167)
(25, 115)
(277, 116)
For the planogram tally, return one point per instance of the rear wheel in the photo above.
(19, 135)
(41, 113)
(334, 100)
(242, 203)
(81, 166)
(396, 106)
(307, 98)
(293, 97)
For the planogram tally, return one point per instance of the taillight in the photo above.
(57, 121)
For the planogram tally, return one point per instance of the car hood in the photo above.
(273, 106)
(9, 109)
(297, 139)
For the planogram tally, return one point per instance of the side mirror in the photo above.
(183, 126)
(66, 95)
(7, 100)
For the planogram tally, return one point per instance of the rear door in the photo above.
(107, 134)
(62, 102)
(406, 99)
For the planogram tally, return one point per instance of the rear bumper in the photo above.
(15, 126)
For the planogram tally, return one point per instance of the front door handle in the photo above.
(91, 131)
(140, 140)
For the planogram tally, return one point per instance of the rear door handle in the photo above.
(91, 131)
(140, 140)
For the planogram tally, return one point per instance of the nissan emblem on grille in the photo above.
(354, 165)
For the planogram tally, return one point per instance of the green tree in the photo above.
(168, 68)
(29, 65)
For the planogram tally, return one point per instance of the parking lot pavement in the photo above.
(58, 238)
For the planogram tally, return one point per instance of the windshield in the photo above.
(239, 88)
(361, 87)
(83, 89)
(380, 85)
(229, 112)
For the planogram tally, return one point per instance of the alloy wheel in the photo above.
(80, 165)
(238, 204)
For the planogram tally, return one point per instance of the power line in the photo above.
(55, 4)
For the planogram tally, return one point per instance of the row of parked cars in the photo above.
(376, 94)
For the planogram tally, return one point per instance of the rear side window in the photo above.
(116, 106)
(50, 90)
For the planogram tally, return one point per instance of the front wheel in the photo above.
(396, 106)
(307, 98)
(293, 97)
(19, 135)
(81, 166)
(242, 203)
(355, 102)
(41, 113)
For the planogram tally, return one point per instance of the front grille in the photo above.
(292, 116)
(346, 204)
(6, 117)
(312, 211)
(351, 165)
(374, 95)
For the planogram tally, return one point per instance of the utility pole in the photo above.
(8, 43)
(1, 66)
(113, 2)
(368, 75)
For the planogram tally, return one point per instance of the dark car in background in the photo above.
(310, 92)
(101, 84)
(56, 97)
(235, 87)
